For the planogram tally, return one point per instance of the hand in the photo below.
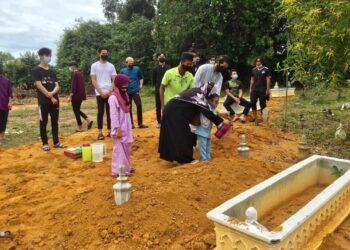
(10, 106)
(226, 122)
(54, 100)
(69, 99)
(237, 100)
(119, 133)
(49, 95)
(267, 92)
(250, 91)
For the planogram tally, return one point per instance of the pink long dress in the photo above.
(122, 146)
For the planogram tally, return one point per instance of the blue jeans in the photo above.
(204, 148)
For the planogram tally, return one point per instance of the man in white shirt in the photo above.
(212, 73)
(102, 75)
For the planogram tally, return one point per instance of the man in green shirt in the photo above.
(177, 80)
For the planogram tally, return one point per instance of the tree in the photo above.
(124, 11)
(319, 33)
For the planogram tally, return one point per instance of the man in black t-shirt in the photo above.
(234, 92)
(259, 88)
(157, 77)
(47, 87)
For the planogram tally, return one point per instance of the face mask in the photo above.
(161, 60)
(47, 59)
(130, 66)
(104, 57)
(212, 62)
(260, 66)
(234, 77)
(186, 68)
(70, 69)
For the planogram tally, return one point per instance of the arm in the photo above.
(228, 93)
(161, 94)
(140, 75)
(95, 84)
(211, 116)
(240, 93)
(251, 84)
(197, 77)
(42, 89)
(141, 83)
(268, 83)
(114, 114)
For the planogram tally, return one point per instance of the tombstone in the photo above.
(265, 115)
(252, 218)
(304, 149)
(276, 86)
(243, 149)
(301, 120)
(122, 189)
(340, 134)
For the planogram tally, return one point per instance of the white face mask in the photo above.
(234, 77)
(70, 69)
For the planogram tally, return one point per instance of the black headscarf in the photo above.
(198, 96)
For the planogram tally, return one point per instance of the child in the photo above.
(204, 129)
(5, 101)
(121, 127)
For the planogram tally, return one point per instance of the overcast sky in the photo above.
(27, 25)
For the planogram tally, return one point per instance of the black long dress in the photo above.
(175, 141)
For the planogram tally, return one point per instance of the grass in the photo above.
(320, 127)
(26, 118)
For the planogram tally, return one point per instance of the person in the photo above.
(203, 131)
(212, 60)
(47, 88)
(77, 96)
(121, 127)
(157, 76)
(102, 75)
(177, 80)
(5, 101)
(135, 75)
(259, 88)
(212, 72)
(175, 140)
(234, 92)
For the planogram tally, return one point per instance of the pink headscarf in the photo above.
(123, 99)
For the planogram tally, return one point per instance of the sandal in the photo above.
(90, 125)
(100, 137)
(59, 145)
(46, 147)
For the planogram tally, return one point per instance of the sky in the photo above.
(28, 25)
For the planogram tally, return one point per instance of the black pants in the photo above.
(3, 120)
(77, 112)
(101, 104)
(44, 111)
(158, 106)
(243, 102)
(254, 96)
(137, 99)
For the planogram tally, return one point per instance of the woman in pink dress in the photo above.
(121, 128)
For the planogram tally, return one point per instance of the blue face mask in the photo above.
(47, 59)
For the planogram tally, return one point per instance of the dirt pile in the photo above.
(51, 202)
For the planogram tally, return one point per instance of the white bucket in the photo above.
(97, 152)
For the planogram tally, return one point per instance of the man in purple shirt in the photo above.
(78, 95)
(5, 101)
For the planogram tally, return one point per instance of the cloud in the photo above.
(27, 25)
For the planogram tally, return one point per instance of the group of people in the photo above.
(186, 102)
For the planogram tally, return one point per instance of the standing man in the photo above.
(177, 80)
(157, 76)
(259, 88)
(78, 95)
(213, 73)
(135, 76)
(47, 86)
(102, 75)
(5, 101)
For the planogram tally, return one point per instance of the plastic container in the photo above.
(87, 152)
(97, 152)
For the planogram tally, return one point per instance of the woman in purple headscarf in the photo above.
(121, 128)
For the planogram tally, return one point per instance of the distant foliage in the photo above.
(320, 33)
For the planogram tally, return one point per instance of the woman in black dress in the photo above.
(175, 141)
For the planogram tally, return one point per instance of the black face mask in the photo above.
(130, 66)
(161, 60)
(186, 68)
(104, 57)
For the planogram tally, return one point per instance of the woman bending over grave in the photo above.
(121, 127)
(175, 141)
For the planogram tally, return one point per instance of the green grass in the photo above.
(26, 119)
(319, 126)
